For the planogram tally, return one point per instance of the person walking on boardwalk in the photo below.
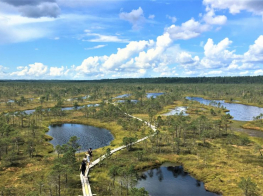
(83, 167)
(88, 159)
(90, 154)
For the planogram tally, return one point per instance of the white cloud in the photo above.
(243, 73)
(95, 47)
(126, 53)
(147, 59)
(32, 70)
(255, 52)
(152, 16)
(172, 18)
(187, 30)
(234, 7)
(14, 28)
(135, 17)
(104, 38)
(56, 71)
(217, 55)
(212, 19)
(215, 72)
(258, 72)
(91, 65)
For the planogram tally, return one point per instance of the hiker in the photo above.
(90, 155)
(83, 167)
(88, 159)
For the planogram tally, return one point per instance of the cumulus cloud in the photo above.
(211, 18)
(125, 53)
(234, 7)
(36, 8)
(32, 70)
(135, 17)
(56, 71)
(172, 18)
(187, 30)
(255, 52)
(258, 72)
(43, 10)
(217, 55)
(147, 59)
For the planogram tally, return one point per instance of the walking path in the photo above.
(85, 180)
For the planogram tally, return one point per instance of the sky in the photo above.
(105, 39)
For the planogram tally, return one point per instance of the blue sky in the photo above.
(86, 39)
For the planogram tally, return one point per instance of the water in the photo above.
(239, 112)
(177, 111)
(123, 101)
(250, 132)
(171, 180)
(28, 112)
(122, 96)
(153, 95)
(89, 136)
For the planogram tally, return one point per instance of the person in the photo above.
(83, 167)
(90, 154)
(88, 159)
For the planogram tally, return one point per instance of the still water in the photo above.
(153, 95)
(239, 112)
(89, 136)
(176, 111)
(171, 180)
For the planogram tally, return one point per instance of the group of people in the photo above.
(87, 161)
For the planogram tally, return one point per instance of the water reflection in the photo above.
(122, 96)
(89, 136)
(239, 112)
(177, 110)
(171, 180)
(153, 95)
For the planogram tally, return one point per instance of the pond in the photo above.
(28, 112)
(239, 112)
(123, 101)
(89, 136)
(122, 96)
(177, 111)
(153, 95)
(169, 179)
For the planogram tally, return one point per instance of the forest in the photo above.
(206, 141)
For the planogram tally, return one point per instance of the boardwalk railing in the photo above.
(85, 180)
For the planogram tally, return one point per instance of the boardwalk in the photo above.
(85, 180)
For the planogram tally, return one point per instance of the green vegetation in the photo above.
(228, 162)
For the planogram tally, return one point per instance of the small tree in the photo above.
(139, 192)
(259, 148)
(113, 172)
(248, 186)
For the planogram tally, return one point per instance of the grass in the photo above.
(217, 163)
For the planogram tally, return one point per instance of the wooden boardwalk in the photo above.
(85, 180)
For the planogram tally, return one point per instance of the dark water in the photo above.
(154, 95)
(240, 112)
(89, 136)
(171, 181)
(250, 132)
(64, 109)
